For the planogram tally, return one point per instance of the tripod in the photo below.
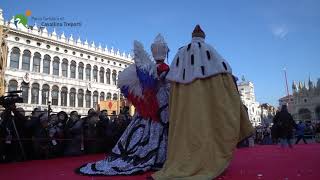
(10, 117)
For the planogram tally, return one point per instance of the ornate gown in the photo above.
(143, 144)
(207, 118)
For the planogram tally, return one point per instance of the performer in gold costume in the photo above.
(207, 118)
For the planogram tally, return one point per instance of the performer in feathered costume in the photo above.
(143, 145)
(207, 118)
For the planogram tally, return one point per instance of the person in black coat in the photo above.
(90, 133)
(102, 126)
(74, 134)
(284, 124)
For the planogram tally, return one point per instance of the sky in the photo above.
(258, 38)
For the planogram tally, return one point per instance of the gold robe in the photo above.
(207, 120)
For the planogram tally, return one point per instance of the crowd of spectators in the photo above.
(46, 135)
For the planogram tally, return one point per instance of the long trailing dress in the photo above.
(207, 118)
(143, 145)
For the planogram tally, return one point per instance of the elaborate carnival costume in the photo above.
(207, 118)
(143, 145)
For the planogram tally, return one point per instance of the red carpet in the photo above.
(261, 162)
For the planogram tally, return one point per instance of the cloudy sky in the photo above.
(259, 38)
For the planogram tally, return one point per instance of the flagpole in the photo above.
(286, 79)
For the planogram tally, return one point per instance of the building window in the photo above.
(95, 73)
(88, 99)
(55, 95)
(101, 74)
(72, 97)
(46, 64)
(28, 41)
(115, 96)
(14, 58)
(26, 60)
(80, 69)
(45, 94)
(57, 49)
(108, 96)
(114, 77)
(13, 85)
(64, 96)
(48, 46)
(56, 62)
(36, 62)
(108, 76)
(35, 94)
(102, 96)
(25, 92)
(80, 98)
(38, 44)
(64, 68)
(88, 72)
(95, 99)
(73, 69)
(17, 39)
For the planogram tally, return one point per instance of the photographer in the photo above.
(12, 131)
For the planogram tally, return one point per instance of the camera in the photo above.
(10, 99)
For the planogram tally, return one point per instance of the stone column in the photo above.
(8, 59)
(20, 59)
(40, 95)
(98, 98)
(41, 64)
(31, 63)
(76, 71)
(68, 99)
(76, 98)
(91, 74)
(49, 98)
(60, 69)
(51, 67)
(29, 93)
(59, 97)
(69, 70)
(91, 105)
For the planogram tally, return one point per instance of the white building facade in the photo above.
(69, 73)
(246, 90)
